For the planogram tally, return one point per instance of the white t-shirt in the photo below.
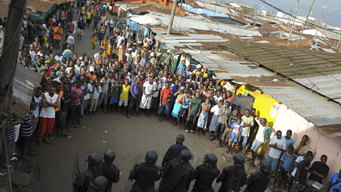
(215, 110)
(58, 58)
(148, 88)
(156, 88)
(217, 99)
(260, 133)
(281, 144)
(88, 95)
(38, 104)
(298, 160)
(48, 112)
(105, 87)
(70, 40)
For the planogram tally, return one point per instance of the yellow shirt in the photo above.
(88, 15)
(82, 10)
(125, 92)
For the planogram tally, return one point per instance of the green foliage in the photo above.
(228, 4)
(246, 10)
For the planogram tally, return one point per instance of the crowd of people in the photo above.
(131, 76)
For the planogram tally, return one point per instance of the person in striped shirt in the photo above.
(26, 131)
(12, 120)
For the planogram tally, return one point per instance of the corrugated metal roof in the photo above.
(4, 9)
(316, 70)
(312, 107)
(183, 23)
(23, 86)
(39, 5)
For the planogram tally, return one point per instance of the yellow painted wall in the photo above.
(263, 104)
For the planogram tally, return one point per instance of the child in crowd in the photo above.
(97, 90)
(236, 129)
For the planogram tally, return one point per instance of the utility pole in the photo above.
(305, 23)
(180, 6)
(171, 18)
(293, 24)
(8, 61)
(324, 7)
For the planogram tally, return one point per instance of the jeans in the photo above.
(164, 108)
(226, 132)
(63, 118)
(56, 42)
(83, 106)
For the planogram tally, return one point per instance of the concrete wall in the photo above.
(319, 142)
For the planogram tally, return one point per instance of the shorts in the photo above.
(113, 100)
(88, 21)
(290, 181)
(182, 112)
(80, 31)
(46, 125)
(233, 138)
(283, 173)
(245, 138)
(256, 145)
(125, 102)
(10, 149)
(274, 163)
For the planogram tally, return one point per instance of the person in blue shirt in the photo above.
(287, 161)
(288, 140)
(134, 94)
(334, 182)
(236, 129)
(182, 67)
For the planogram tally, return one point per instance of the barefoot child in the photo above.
(236, 129)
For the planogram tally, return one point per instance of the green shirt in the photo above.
(39, 68)
(115, 91)
(195, 104)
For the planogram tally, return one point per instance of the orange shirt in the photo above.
(94, 77)
(58, 36)
(60, 96)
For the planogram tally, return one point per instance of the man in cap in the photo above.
(110, 171)
(233, 177)
(258, 181)
(92, 74)
(205, 174)
(81, 183)
(145, 174)
(174, 151)
(177, 174)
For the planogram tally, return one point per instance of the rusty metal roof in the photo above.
(146, 7)
(319, 71)
(39, 5)
(4, 9)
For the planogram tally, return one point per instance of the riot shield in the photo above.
(78, 165)
(139, 158)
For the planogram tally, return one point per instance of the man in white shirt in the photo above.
(155, 100)
(277, 145)
(146, 101)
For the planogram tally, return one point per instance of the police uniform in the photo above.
(145, 175)
(205, 175)
(257, 182)
(112, 173)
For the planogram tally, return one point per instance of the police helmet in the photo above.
(210, 159)
(93, 160)
(109, 156)
(238, 159)
(151, 157)
(99, 183)
(265, 166)
(185, 155)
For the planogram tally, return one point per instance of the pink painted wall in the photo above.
(319, 142)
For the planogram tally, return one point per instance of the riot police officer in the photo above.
(177, 174)
(94, 170)
(258, 181)
(99, 184)
(110, 171)
(145, 174)
(205, 174)
(233, 177)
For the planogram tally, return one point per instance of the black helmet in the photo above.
(210, 159)
(151, 157)
(265, 166)
(238, 159)
(93, 160)
(109, 156)
(99, 183)
(185, 156)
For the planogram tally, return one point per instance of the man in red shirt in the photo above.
(165, 97)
